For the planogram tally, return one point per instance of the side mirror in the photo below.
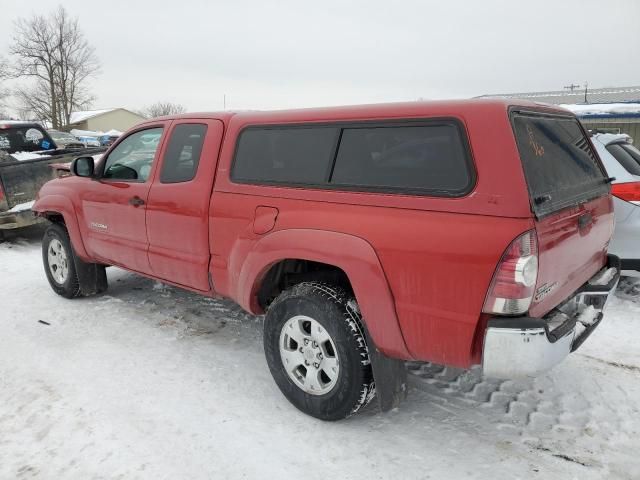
(82, 167)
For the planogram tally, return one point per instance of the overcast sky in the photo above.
(299, 53)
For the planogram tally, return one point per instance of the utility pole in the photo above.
(224, 101)
(586, 88)
(571, 87)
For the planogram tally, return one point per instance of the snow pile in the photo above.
(84, 133)
(580, 329)
(603, 108)
(90, 133)
(21, 207)
(22, 156)
(20, 122)
(604, 277)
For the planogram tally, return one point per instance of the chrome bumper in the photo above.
(523, 346)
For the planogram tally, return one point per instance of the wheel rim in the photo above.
(309, 355)
(58, 261)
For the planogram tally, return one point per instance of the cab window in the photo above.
(182, 154)
(132, 159)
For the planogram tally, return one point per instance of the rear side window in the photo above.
(182, 157)
(430, 157)
(559, 165)
(24, 139)
(297, 155)
(404, 158)
(627, 155)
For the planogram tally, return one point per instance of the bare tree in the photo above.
(4, 69)
(4, 92)
(33, 45)
(53, 51)
(160, 109)
(34, 102)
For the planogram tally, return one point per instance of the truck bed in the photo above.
(20, 181)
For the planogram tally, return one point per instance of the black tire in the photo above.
(70, 288)
(338, 313)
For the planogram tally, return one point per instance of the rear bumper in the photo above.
(524, 346)
(11, 220)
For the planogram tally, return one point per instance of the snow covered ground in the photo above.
(148, 381)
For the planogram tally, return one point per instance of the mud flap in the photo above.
(91, 276)
(390, 375)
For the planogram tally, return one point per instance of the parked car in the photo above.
(456, 232)
(107, 140)
(90, 142)
(622, 162)
(26, 152)
(66, 140)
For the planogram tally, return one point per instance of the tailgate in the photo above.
(570, 197)
(571, 249)
(21, 180)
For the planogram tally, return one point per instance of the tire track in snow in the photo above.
(573, 421)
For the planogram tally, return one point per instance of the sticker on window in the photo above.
(34, 135)
(538, 149)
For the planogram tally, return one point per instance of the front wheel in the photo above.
(317, 352)
(57, 257)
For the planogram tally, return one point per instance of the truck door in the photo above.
(178, 204)
(114, 207)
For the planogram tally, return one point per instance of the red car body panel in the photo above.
(176, 218)
(355, 256)
(420, 266)
(59, 199)
(115, 231)
(565, 259)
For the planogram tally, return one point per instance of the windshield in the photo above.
(24, 139)
(560, 166)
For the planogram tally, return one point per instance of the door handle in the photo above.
(136, 201)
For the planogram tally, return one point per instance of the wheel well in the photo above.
(54, 217)
(286, 273)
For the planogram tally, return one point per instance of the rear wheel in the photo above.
(57, 257)
(316, 351)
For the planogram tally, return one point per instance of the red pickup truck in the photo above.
(457, 232)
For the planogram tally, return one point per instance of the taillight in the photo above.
(1, 193)
(629, 192)
(514, 281)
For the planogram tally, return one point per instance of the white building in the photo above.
(104, 120)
